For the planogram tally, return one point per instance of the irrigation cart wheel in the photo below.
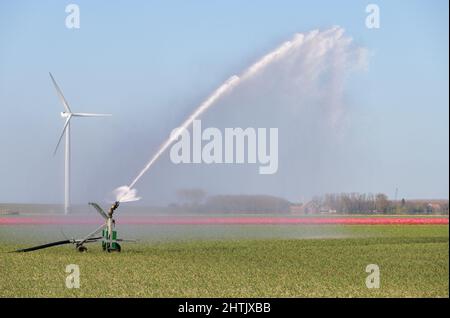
(117, 249)
(82, 249)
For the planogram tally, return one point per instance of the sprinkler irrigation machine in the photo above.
(109, 239)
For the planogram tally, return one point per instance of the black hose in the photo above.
(34, 248)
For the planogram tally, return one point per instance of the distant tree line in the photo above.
(247, 204)
(365, 203)
(197, 201)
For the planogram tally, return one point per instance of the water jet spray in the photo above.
(225, 88)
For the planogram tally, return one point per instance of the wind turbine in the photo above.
(68, 114)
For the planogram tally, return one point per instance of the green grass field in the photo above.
(413, 260)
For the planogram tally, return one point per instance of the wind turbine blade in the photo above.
(60, 94)
(62, 134)
(90, 115)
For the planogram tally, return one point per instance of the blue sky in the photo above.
(151, 62)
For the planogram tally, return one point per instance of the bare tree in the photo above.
(382, 202)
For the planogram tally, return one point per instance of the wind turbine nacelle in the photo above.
(64, 114)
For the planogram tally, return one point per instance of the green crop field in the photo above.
(413, 262)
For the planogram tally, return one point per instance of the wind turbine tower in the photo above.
(67, 114)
